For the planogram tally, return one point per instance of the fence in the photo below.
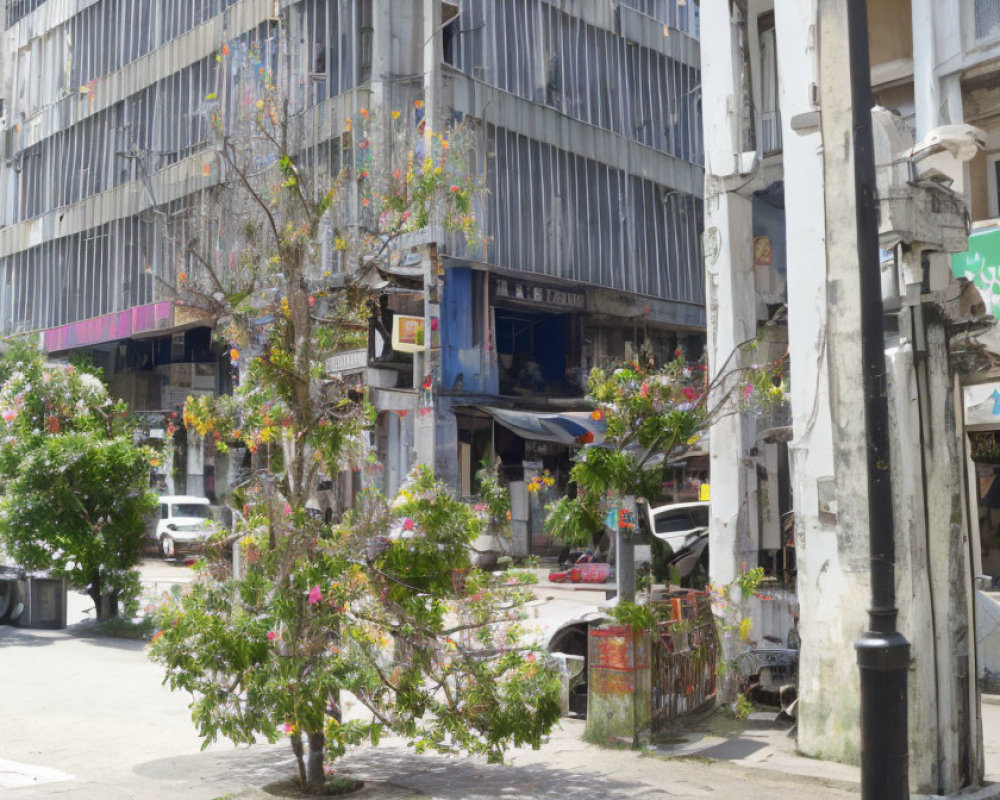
(684, 658)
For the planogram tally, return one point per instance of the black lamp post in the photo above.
(883, 652)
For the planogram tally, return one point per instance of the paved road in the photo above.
(86, 718)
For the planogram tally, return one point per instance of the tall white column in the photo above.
(926, 88)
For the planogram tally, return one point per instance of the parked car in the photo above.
(183, 525)
(674, 523)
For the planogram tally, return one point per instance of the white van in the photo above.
(184, 523)
(675, 522)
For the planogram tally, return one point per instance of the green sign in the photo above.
(981, 265)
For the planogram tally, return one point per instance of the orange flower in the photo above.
(418, 103)
(225, 49)
(364, 113)
(234, 354)
(597, 414)
(182, 276)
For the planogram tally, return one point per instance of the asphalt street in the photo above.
(88, 717)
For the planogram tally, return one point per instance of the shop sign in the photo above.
(509, 289)
(980, 264)
(407, 333)
(110, 327)
(348, 361)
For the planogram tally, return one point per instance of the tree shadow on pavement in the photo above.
(86, 631)
(387, 769)
(11, 636)
(458, 778)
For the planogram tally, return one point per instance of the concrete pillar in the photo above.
(827, 719)
(195, 464)
(934, 560)
(926, 89)
(619, 684)
(433, 55)
(730, 299)
(833, 568)
(731, 321)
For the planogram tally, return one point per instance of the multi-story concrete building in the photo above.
(588, 122)
(781, 264)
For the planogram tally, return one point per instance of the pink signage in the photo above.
(108, 328)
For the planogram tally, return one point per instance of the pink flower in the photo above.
(288, 727)
(408, 524)
(453, 188)
(315, 595)
(287, 509)
(690, 392)
(532, 657)
(271, 636)
(747, 391)
(644, 390)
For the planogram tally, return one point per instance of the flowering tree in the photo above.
(370, 607)
(653, 415)
(75, 485)
(385, 606)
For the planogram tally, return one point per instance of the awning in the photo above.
(568, 427)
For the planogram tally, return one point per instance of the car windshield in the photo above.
(192, 510)
(673, 523)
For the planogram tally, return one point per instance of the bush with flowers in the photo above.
(75, 485)
(385, 609)
(653, 416)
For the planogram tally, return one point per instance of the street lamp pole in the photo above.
(882, 651)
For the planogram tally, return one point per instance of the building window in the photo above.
(993, 183)
(986, 22)
(365, 34)
(770, 115)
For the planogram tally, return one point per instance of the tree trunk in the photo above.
(317, 755)
(299, 758)
(105, 603)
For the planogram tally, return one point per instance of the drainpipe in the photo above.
(883, 653)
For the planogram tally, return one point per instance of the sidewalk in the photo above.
(89, 719)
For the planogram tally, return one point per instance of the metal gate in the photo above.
(684, 660)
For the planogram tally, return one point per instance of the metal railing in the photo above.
(685, 655)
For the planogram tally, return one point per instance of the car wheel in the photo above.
(167, 546)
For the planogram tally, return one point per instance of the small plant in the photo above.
(749, 581)
(493, 495)
(638, 617)
(741, 707)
